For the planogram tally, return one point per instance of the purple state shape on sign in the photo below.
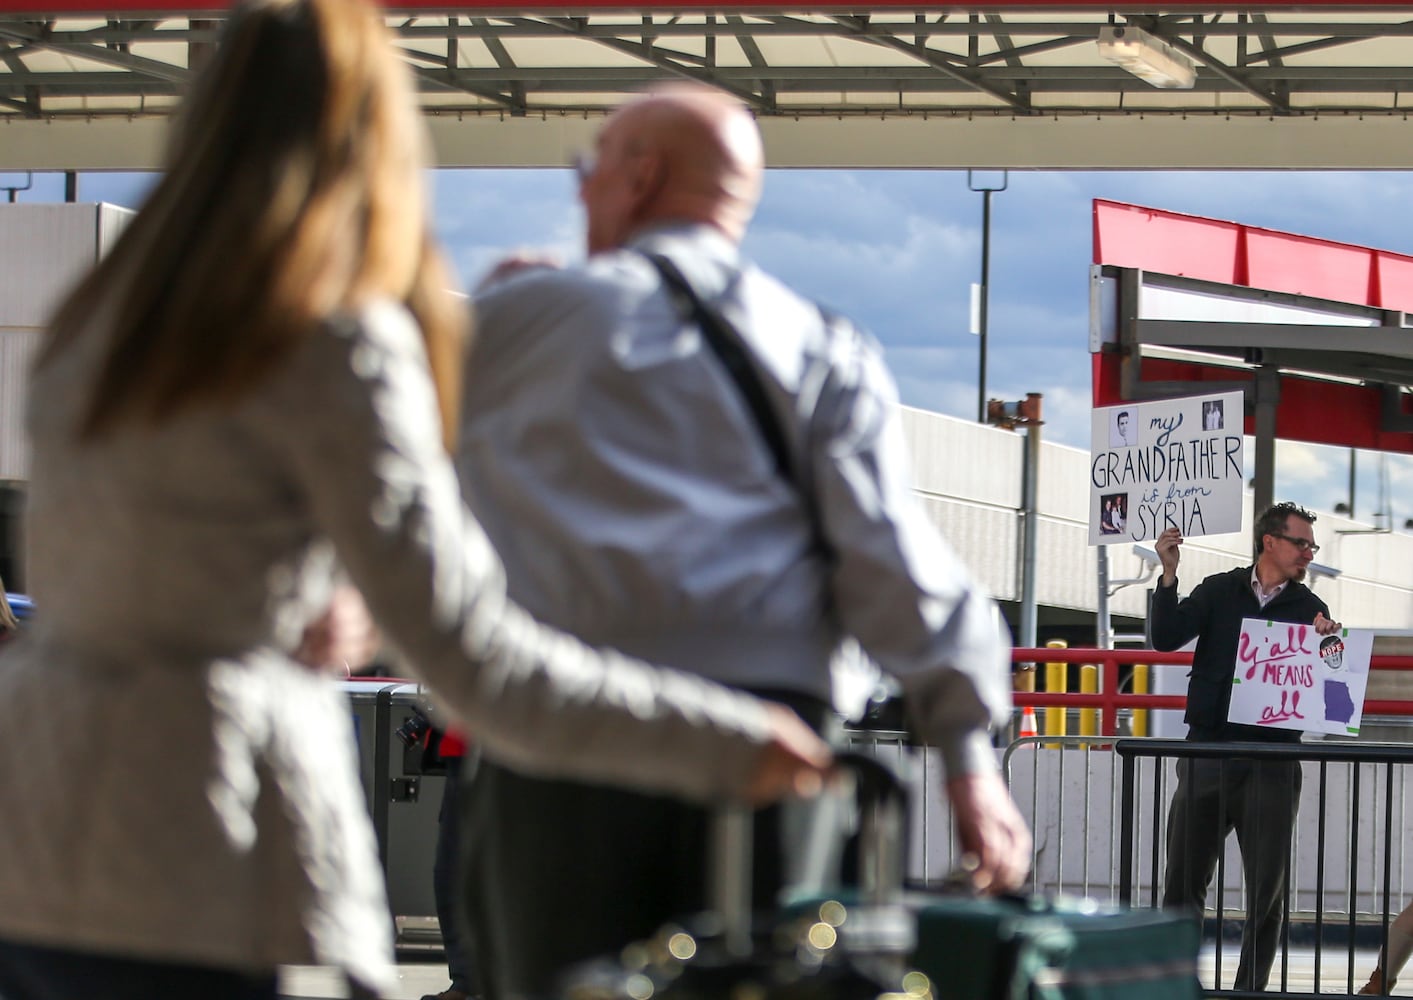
(1339, 707)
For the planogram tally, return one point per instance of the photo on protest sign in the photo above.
(1291, 677)
(1166, 463)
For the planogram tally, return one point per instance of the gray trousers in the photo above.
(561, 872)
(447, 865)
(1257, 799)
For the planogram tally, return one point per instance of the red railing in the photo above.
(1110, 699)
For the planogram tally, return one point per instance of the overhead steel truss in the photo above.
(880, 63)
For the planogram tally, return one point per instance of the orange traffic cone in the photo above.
(1027, 723)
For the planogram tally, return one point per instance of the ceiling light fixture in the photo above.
(1147, 57)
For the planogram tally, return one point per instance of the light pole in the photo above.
(1025, 413)
(986, 192)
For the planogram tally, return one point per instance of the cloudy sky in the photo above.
(898, 251)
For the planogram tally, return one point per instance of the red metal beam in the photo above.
(1249, 256)
(1318, 412)
(110, 8)
(1079, 655)
(1231, 253)
(1310, 410)
(1110, 699)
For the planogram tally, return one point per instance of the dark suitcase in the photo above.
(1029, 948)
(876, 938)
(817, 951)
(1017, 948)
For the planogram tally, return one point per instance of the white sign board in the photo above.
(1169, 463)
(1291, 677)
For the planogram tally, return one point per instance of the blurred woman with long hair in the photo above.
(252, 389)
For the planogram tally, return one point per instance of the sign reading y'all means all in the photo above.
(1291, 677)
(1168, 463)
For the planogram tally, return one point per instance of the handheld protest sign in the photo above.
(1167, 463)
(1291, 677)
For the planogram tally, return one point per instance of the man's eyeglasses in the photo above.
(1301, 544)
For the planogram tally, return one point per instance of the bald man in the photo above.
(740, 526)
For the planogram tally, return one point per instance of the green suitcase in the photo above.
(1032, 949)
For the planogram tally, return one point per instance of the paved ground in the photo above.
(417, 980)
(1334, 970)
(307, 982)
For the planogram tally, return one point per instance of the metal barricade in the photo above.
(1071, 801)
(1098, 810)
(1349, 854)
(933, 851)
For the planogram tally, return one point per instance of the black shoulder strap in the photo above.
(725, 341)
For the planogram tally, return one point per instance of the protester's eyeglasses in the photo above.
(583, 164)
(1301, 544)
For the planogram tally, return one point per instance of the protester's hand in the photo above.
(1169, 554)
(518, 262)
(795, 762)
(343, 638)
(1323, 626)
(992, 834)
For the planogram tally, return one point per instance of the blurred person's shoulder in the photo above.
(366, 335)
(593, 293)
(601, 275)
(381, 321)
(369, 343)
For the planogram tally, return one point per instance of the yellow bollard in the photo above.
(1088, 684)
(1056, 679)
(1140, 686)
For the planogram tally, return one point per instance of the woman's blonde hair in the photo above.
(293, 191)
(8, 622)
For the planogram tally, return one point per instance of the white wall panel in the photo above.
(985, 538)
(112, 220)
(1063, 488)
(17, 347)
(961, 458)
(44, 249)
(1065, 566)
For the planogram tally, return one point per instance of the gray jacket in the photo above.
(632, 496)
(175, 787)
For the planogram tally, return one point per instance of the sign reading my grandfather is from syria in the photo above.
(1168, 463)
(1291, 677)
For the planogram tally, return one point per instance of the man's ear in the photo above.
(646, 181)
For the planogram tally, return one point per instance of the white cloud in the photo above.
(1382, 489)
(906, 278)
(482, 215)
(1297, 461)
(1311, 475)
(940, 379)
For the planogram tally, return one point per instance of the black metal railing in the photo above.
(1315, 759)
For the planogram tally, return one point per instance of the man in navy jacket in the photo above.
(1257, 799)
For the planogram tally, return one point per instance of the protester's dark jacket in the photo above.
(1212, 614)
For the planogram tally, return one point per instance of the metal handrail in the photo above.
(1321, 755)
(1110, 699)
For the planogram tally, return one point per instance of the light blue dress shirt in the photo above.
(622, 477)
